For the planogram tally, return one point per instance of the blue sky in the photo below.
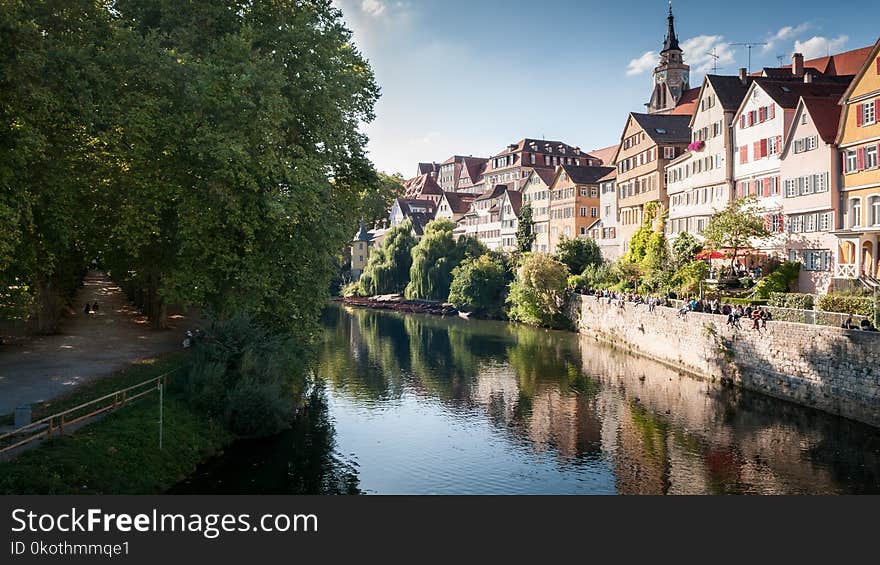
(470, 76)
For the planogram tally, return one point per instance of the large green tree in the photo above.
(387, 269)
(434, 258)
(537, 296)
(738, 226)
(207, 153)
(479, 285)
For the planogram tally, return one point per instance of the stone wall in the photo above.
(828, 368)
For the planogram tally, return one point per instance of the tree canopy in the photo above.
(537, 296)
(578, 253)
(525, 231)
(736, 227)
(479, 284)
(204, 153)
(387, 269)
(434, 258)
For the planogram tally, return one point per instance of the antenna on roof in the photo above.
(749, 45)
(780, 59)
(715, 58)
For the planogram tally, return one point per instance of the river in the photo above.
(415, 404)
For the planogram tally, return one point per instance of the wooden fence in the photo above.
(55, 424)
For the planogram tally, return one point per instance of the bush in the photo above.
(863, 306)
(600, 276)
(780, 280)
(687, 279)
(578, 254)
(537, 297)
(250, 379)
(578, 281)
(435, 257)
(479, 285)
(791, 300)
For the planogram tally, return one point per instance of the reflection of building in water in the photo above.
(672, 433)
(565, 422)
(497, 388)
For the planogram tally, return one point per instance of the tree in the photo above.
(639, 241)
(684, 248)
(525, 232)
(376, 198)
(578, 254)
(479, 285)
(387, 269)
(434, 258)
(537, 296)
(736, 227)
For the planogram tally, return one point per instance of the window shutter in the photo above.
(781, 226)
(761, 115)
(860, 158)
(742, 122)
(743, 154)
(767, 186)
(860, 115)
(763, 148)
(767, 222)
(878, 65)
(756, 150)
(772, 111)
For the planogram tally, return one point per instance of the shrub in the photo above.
(835, 302)
(780, 280)
(479, 285)
(249, 378)
(600, 276)
(791, 300)
(687, 279)
(537, 297)
(578, 281)
(578, 254)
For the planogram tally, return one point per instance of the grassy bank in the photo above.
(118, 454)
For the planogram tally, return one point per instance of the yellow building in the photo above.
(859, 141)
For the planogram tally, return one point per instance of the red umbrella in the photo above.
(710, 254)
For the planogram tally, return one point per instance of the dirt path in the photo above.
(87, 348)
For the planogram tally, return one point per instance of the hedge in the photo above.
(745, 301)
(794, 300)
(861, 305)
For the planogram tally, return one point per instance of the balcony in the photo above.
(845, 271)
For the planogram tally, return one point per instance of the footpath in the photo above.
(44, 367)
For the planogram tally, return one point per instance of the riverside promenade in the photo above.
(44, 367)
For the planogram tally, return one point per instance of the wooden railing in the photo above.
(55, 424)
(845, 271)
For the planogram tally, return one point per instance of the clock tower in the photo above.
(672, 75)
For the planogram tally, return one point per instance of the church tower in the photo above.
(671, 76)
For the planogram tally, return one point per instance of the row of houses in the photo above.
(801, 139)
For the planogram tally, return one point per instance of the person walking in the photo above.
(87, 310)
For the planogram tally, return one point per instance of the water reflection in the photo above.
(421, 404)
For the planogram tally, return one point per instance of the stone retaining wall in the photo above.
(828, 368)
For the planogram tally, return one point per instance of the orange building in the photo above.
(859, 141)
(574, 201)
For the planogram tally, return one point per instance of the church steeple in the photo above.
(671, 75)
(670, 42)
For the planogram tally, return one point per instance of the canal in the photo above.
(415, 404)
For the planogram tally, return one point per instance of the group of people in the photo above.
(758, 315)
(91, 309)
(865, 325)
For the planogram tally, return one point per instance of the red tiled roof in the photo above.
(846, 63)
(610, 176)
(825, 113)
(515, 198)
(606, 154)
(687, 104)
(422, 184)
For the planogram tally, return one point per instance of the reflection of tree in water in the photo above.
(301, 460)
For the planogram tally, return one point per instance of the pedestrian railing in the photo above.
(779, 314)
(56, 423)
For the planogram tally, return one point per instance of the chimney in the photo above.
(743, 73)
(797, 64)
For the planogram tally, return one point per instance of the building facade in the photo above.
(515, 162)
(536, 193)
(648, 143)
(574, 202)
(810, 178)
(700, 181)
(859, 141)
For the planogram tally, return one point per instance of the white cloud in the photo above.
(818, 46)
(698, 53)
(374, 8)
(785, 33)
(643, 64)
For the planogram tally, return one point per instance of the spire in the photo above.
(362, 235)
(670, 42)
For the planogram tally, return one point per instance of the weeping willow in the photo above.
(434, 258)
(387, 270)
